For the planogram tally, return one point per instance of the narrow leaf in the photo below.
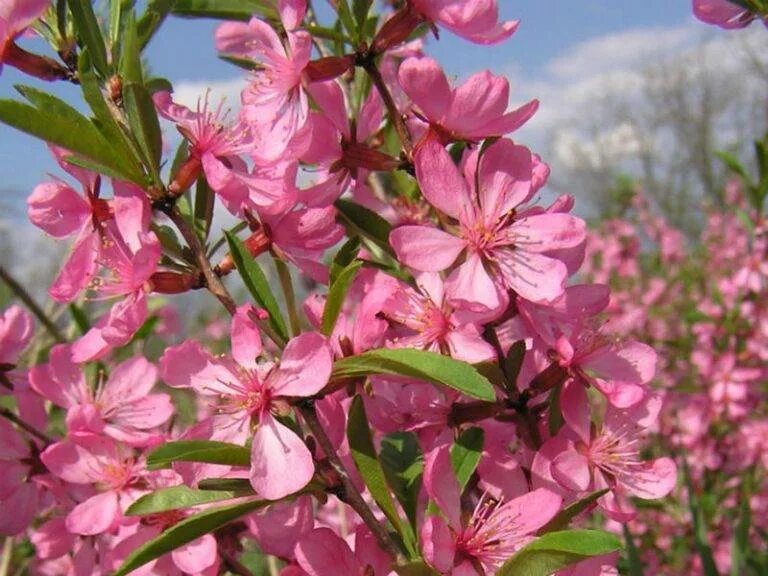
(176, 498)
(367, 463)
(423, 365)
(557, 550)
(633, 558)
(257, 284)
(366, 222)
(225, 9)
(186, 531)
(241, 485)
(466, 453)
(155, 14)
(336, 296)
(403, 466)
(145, 125)
(90, 33)
(207, 451)
(563, 518)
(416, 569)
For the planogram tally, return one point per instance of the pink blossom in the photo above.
(275, 104)
(15, 17)
(493, 533)
(423, 319)
(248, 392)
(473, 111)
(108, 467)
(506, 246)
(722, 13)
(16, 330)
(323, 553)
(474, 20)
(610, 458)
(19, 496)
(121, 407)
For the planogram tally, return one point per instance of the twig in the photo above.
(5, 560)
(351, 494)
(212, 281)
(8, 415)
(233, 564)
(369, 65)
(33, 306)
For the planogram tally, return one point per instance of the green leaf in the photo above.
(107, 124)
(416, 569)
(465, 455)
(366, 223)
(344, 257)
(90, 34)
(257, 284)
(557, 550)
(204, 203)
(176, 498)
(208, 451)
(422, 365)
(130, 53)
(58, 123)
(336, 296)
(699, 526)
(563, 518)
(360, 9)
(80, 318)
(241, 485)
(345, 15)
(740, 547)
(115, 12)
(367, 463)
(186, 531)
(225, 9)
(155, 14)
(145, 125)
(513, 363)
(403, 466)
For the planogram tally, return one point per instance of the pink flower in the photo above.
(58, 210)
(250, 392)
(423, 319)
(323, 553)
(275, 104)
(453, 544)
(723, 13)
(505, 246)
(610, 458)
(108, 467)
(474, 20)
(130, 254)
(473, 111)
(16, 330)
(122, 407)
(15, 17)
(19, 496)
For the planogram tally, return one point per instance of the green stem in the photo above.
(5, 561)
(284, 274)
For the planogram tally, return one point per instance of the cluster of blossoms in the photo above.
(445, 397)
(712, 371)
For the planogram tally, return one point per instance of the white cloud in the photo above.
(189, 93)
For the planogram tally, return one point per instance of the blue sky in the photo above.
(551, 32)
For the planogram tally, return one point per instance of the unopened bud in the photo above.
(38, 66)
(397, 29)
(328, 68)
(186, 176)
(256, 244)
(172, 282)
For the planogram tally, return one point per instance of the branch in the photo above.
(33, 306)
(10, 416)
(351, 494)
(212, 281)
(369, 65)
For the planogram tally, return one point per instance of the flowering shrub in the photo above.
(446, 400)
(712, 368)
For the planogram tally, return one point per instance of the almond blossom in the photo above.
(506, 246)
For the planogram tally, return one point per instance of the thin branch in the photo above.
(10, 416)
(369, 65)
(351, 494)
(33, 306)
(212, 281)
(233, 564)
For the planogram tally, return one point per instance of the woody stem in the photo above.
(369, 65)
(11, 417)
(351, 494)
(33, 306)
(212, 281)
